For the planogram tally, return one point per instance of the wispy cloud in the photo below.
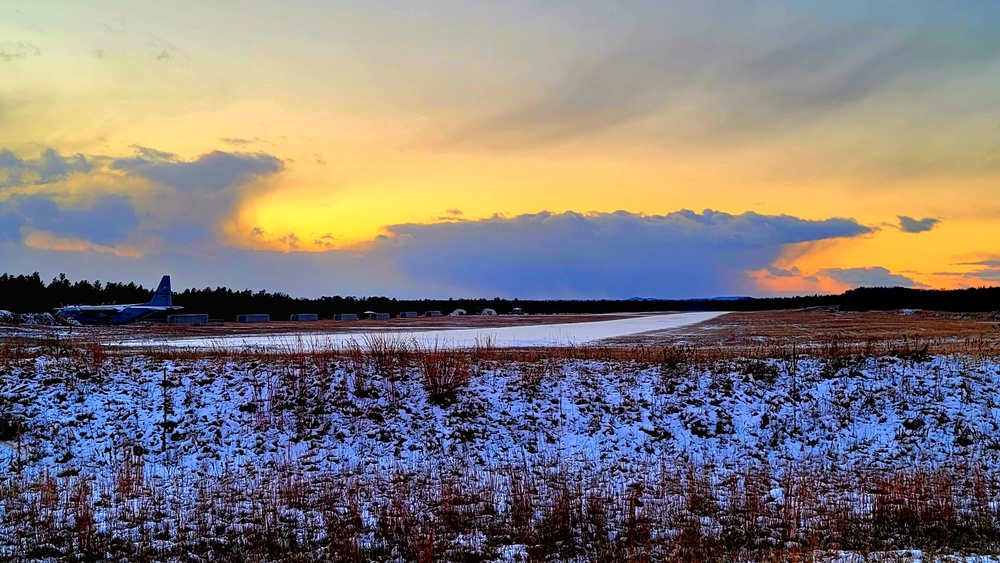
(989, 271)
(108, 220)
(793, 281)
(687, 75)
(184, 202)
(163, 50)
(988, 263)
(911, 225)
(990, 275)
(18, 50)
(47, 168)
(216, 170)
(875, 276)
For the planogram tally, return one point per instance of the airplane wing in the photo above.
(96, 308)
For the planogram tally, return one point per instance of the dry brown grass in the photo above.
(766, 334)
(946, 332)
(682, 512)
(756, 335)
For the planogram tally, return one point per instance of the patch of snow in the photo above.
(567, 334)
(43, 319)
(615, 426)
(881, 413)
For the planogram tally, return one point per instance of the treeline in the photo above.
(889, 298)
(29, 293)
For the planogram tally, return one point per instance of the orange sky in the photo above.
(385, 114)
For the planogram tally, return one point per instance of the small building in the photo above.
(408, 315)
(457, 313)
(345, 317)
(253, 318)
(373, 316)
(517, 311)
(488, 312)
(303, 317)
(432, 314)
(189, 319)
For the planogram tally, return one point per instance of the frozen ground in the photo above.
(881, 412)
(650, 433)
(901, 556)
(570, 334)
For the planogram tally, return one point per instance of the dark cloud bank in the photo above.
(614, 255)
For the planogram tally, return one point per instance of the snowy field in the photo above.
(569, 334)
(498, 455)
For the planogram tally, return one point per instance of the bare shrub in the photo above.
(389, 353)
(559, 525)
(12, 424)
(443, 373)
(84, 526)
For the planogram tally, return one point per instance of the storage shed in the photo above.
(189, 319)
(408, 315)
(303, 317)
(432, 314)
(253, 318)
(345, 317)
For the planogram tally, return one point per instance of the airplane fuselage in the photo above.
(162, 300)
(121, 314)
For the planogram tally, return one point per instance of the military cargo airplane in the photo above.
(120, 314)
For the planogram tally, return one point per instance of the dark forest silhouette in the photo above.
(29, 293)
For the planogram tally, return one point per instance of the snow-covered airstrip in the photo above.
(568, 334)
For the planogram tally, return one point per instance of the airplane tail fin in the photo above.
(162, 297)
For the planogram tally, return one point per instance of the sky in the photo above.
(583, 149)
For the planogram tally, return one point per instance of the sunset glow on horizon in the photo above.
(558, 150)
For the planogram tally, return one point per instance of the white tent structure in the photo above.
(488, 312)
(457, 313)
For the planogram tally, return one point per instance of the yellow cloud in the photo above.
(44, 240)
